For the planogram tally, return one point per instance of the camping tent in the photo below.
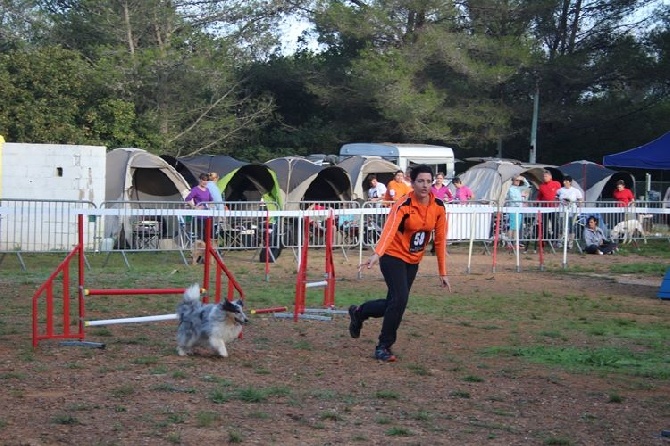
(597, 182)
(359, 167)
(135, 175)
(302, 180)
(654, 155)
(238, 181)
(491, 180)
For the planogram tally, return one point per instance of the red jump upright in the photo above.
(301, 283)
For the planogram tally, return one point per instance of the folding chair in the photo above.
(146, 234)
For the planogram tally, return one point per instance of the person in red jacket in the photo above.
(399, 251)
(624, 198)
(547, 193)
(622, 194)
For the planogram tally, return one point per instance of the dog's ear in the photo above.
(230, 306)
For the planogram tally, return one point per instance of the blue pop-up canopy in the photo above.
(654, 155)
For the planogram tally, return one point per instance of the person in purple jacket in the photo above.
(198, 198)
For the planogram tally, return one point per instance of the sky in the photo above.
(291, 30)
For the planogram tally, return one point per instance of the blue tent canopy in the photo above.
(654, 155)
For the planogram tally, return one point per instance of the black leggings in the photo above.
(399, 276)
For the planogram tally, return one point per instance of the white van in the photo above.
(441, 159)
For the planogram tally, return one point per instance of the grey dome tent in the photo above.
(137, 175)
(598, 182)
(302, 180)
(134, 176)
(360, 167)
(491, 180)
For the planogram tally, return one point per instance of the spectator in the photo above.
(569, 198)
(622, 194)
(396, 188)
(200, 195)
(517, 193)
(624, 198)
(440, 190)
(463, 193)
(198, 199)
(547, 193)
(666, 204)
(377, 190)
(214, 191)
(595, 240)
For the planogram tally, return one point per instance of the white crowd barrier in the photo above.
(43, 225)
(50, 225)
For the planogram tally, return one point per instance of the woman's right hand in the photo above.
(374, 258)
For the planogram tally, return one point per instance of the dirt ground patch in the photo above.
(309, 383)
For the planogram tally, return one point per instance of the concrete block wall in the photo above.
(53, 172)
(47, 172)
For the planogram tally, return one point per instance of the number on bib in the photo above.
(418, 241)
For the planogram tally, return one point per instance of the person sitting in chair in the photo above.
(595, 240)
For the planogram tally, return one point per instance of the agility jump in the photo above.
(47, 288)
(328, 284)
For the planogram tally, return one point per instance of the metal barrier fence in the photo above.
(171, 225)
(566, 223)
(372, 222)
(43, 225)
(139, 225)
(347, 216)
(50, 225)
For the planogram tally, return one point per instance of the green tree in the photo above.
(22, 23)
(44, 96)
(183, 82)
(593, 78)
(408, 71)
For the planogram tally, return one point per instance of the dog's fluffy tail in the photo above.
(192, 293)
(190, 304)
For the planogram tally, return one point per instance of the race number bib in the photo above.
(418, 241)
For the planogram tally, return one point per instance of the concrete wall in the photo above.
(53, 172)
(31, 175)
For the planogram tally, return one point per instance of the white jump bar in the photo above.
(130, 320)
(316, 284)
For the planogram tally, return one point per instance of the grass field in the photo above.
(560, 357)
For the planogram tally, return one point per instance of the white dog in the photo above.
(628, 228)
(202, 324)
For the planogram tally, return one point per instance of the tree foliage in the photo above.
(44, 95)
(183, 77)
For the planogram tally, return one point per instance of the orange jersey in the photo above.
(408, 227)
(395, 190)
